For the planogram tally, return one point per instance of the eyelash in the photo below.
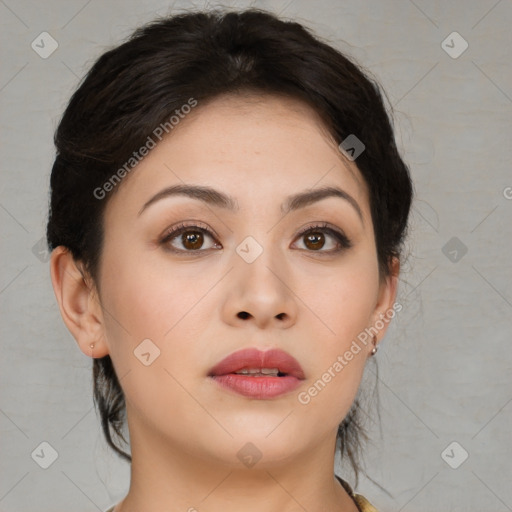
(323, 227)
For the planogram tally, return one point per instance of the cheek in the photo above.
(343, 305)
(152, 300)
(337, 368)
(142, 305)
(329, 396)
(343, 300)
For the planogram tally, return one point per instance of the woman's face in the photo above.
(174, 306)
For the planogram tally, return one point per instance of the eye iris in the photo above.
(316, 238)
(195, 238)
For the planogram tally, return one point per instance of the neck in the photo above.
(173, 479)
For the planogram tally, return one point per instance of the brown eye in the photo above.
(315, 240)
(192, 240)
(187, 239)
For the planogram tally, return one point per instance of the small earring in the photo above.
(91, 345)
(375, 348)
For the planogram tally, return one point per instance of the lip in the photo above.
(258, 387)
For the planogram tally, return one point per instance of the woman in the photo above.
(227, 215)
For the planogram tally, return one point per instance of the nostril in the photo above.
(243, 315)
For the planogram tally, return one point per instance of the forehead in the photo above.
(241, 141)
(229, 118)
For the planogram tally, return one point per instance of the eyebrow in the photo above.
(217, 198)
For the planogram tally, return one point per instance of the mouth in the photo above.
(257, 374)
(256, 363)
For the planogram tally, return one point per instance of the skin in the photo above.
(185, 430)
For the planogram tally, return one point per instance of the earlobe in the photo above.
(78, 304)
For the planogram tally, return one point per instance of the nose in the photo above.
(260, 293)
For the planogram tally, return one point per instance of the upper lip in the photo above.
(255, 358)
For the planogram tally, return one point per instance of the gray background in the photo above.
(445, 365)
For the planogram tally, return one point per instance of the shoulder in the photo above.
(362, 503)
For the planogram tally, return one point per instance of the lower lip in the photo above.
(258, 387)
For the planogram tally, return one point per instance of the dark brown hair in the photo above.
(135, 87)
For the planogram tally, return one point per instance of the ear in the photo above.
(384, 310)
(78, 302)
